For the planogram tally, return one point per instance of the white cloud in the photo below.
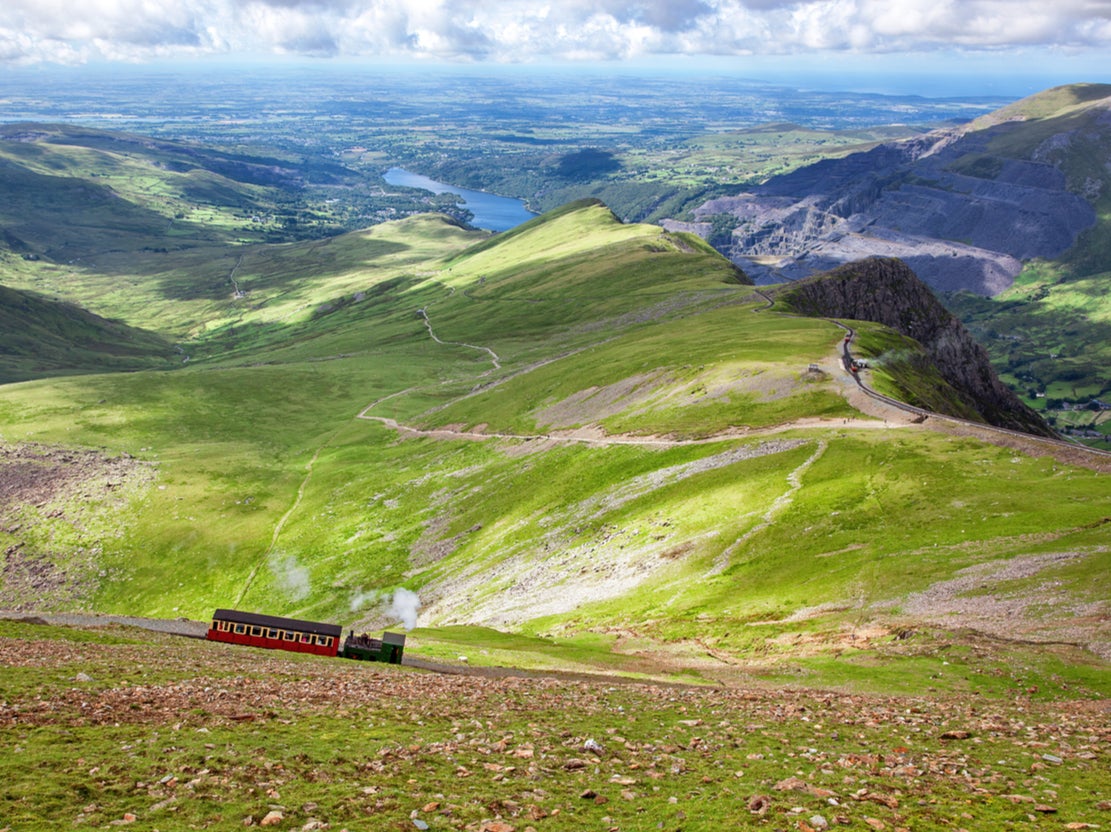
(71, 31)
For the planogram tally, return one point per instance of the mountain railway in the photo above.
(852, 367)
(298, 636)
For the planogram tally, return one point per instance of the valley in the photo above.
(581, 429)
(683, 551)
(588, 412)
(312, 167)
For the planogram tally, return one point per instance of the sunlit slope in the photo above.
(580, 425)
(218, 295)
(579, 319)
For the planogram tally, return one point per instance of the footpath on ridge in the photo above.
(885, 413)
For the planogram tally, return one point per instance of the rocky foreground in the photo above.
(122, 727)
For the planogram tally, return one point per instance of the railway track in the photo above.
(847, 365)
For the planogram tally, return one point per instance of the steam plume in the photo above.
(405, 605)
(292, 577)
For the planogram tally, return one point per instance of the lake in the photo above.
(492, 212)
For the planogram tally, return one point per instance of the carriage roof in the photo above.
(273, 621)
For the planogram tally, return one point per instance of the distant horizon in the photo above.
(966, 78)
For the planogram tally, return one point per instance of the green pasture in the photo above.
(267, 492)
(204, 295)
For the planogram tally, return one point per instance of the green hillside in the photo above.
(41, 337)
(71, 194)
(582, 431)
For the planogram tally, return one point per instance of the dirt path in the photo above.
(594, 436)
(235, 284)
(264, 557)
(885, 413)
(428, 324)
(794, 483)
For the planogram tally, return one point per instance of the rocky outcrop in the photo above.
(965, 206)
(887, 291)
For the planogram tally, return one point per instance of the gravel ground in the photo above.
(175, 626)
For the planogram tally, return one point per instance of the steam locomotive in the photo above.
(255, 630)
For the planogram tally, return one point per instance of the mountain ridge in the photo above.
(963, 206)
(887, 291)
(584, 428)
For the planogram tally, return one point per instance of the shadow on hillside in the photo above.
(249, 273)
(274, 342)
(69, 220)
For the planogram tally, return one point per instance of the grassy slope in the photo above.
(192, 297)
(71, 194)
(40, 337)
(271, 495)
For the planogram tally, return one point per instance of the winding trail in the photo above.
(794, 482)
(589, 436)
(887, 413)
(423, 312)
(231, 276)
(280, 525)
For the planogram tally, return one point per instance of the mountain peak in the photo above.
(886, 290)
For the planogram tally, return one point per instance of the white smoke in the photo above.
(364, 599)
(405, 605)
(292, 577)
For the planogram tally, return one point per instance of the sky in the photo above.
(1069, 38)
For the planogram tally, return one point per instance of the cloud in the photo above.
(68, 31)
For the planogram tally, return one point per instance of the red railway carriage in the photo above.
(257, 630)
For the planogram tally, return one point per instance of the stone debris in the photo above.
(534, 773)
(956, 735)
(759, 804)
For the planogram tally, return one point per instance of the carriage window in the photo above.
(256, 631)
(288, 636)
(306, 638)
(240, 629)
(272, 634)
(326, 641)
